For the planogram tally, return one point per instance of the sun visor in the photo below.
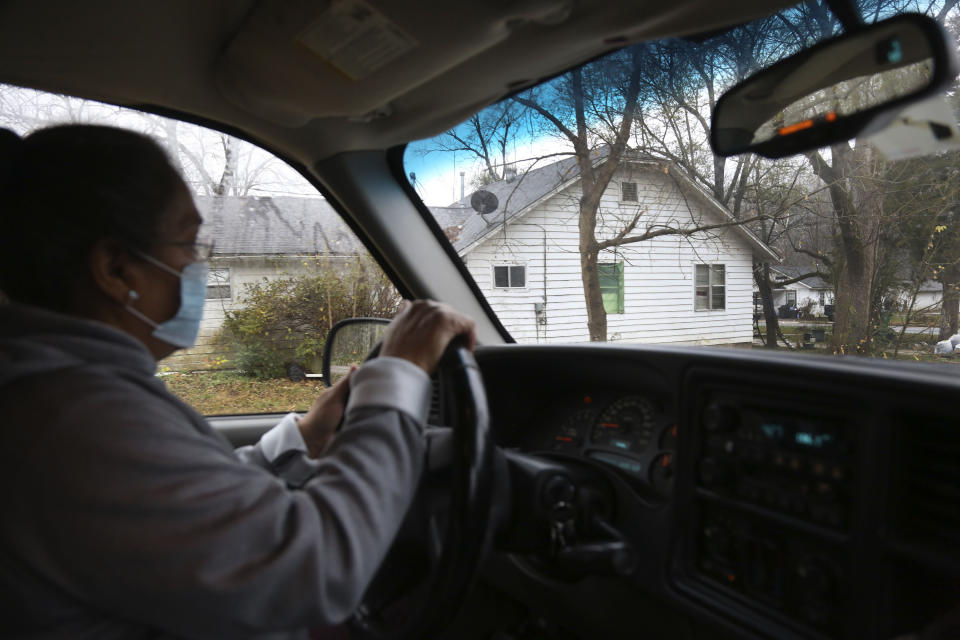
(294, 60)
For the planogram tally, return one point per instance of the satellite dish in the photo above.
(484, 202)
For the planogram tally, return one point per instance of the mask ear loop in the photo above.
(133, 296)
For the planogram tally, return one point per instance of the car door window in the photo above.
(284, 266)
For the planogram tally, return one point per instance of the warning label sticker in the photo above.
(356, 38)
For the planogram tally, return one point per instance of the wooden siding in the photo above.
(658, 274)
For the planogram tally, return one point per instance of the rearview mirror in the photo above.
(834, 90)
(348, 343)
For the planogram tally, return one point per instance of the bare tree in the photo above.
(212, 163)
(853, 176)
(594, 110)
(486, 136)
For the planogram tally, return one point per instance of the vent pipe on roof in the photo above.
(510, 173)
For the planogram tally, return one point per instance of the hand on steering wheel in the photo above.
(451, 566)
(422, 330)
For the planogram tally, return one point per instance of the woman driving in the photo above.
(126, 514)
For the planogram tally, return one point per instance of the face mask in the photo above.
(180, 330)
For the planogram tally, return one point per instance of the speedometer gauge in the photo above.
(570, 435)
(626, 424)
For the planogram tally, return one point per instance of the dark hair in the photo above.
(63, 189)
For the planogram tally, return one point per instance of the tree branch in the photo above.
(530, 104)
(824, 259)
(673, 231)
(809, 274)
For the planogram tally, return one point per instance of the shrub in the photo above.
(806, 311)
(285, 321)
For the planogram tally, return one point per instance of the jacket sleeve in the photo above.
(283, 452)
(145, 516)
(391, 383)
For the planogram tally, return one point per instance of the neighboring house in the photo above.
(524, 257)
(258, 239)
(929, 297)
(811, 293)
(817, 293)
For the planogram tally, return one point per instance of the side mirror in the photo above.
(834, 90)
(349, 342)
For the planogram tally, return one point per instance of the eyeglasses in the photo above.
(201, 250)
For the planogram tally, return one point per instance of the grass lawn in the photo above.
(917, 347)
(917, 319)
(224, 392)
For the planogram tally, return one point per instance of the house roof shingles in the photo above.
(514, 197)
(276, 226)
(517, 195)
(290, 226)
(788, 272)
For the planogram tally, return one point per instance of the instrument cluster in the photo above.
(633, 434)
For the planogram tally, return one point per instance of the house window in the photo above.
(628, 192)
(218, 284)
(791, 298)
(823, 298)
(509, 276)
(611, 286)
(710, 287)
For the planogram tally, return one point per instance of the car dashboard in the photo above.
(767, 497)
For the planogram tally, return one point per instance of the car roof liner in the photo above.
(296, 72)
(368, 62)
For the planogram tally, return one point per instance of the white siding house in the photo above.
(524, 257)
(811, 293)
(815, 293)
(929, 297)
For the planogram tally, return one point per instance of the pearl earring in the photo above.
(133, 296)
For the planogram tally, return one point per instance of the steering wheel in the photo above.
(453, 565)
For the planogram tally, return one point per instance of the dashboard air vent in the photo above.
(929, 483)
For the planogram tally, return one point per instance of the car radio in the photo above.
(774, 498)
(799, 466)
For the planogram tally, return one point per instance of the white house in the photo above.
(671, 289)
(929, 297)
(812, 294)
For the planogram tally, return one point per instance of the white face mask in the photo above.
(181, 330)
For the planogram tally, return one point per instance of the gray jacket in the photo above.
(126, 515)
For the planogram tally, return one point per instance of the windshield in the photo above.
(591, 208)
